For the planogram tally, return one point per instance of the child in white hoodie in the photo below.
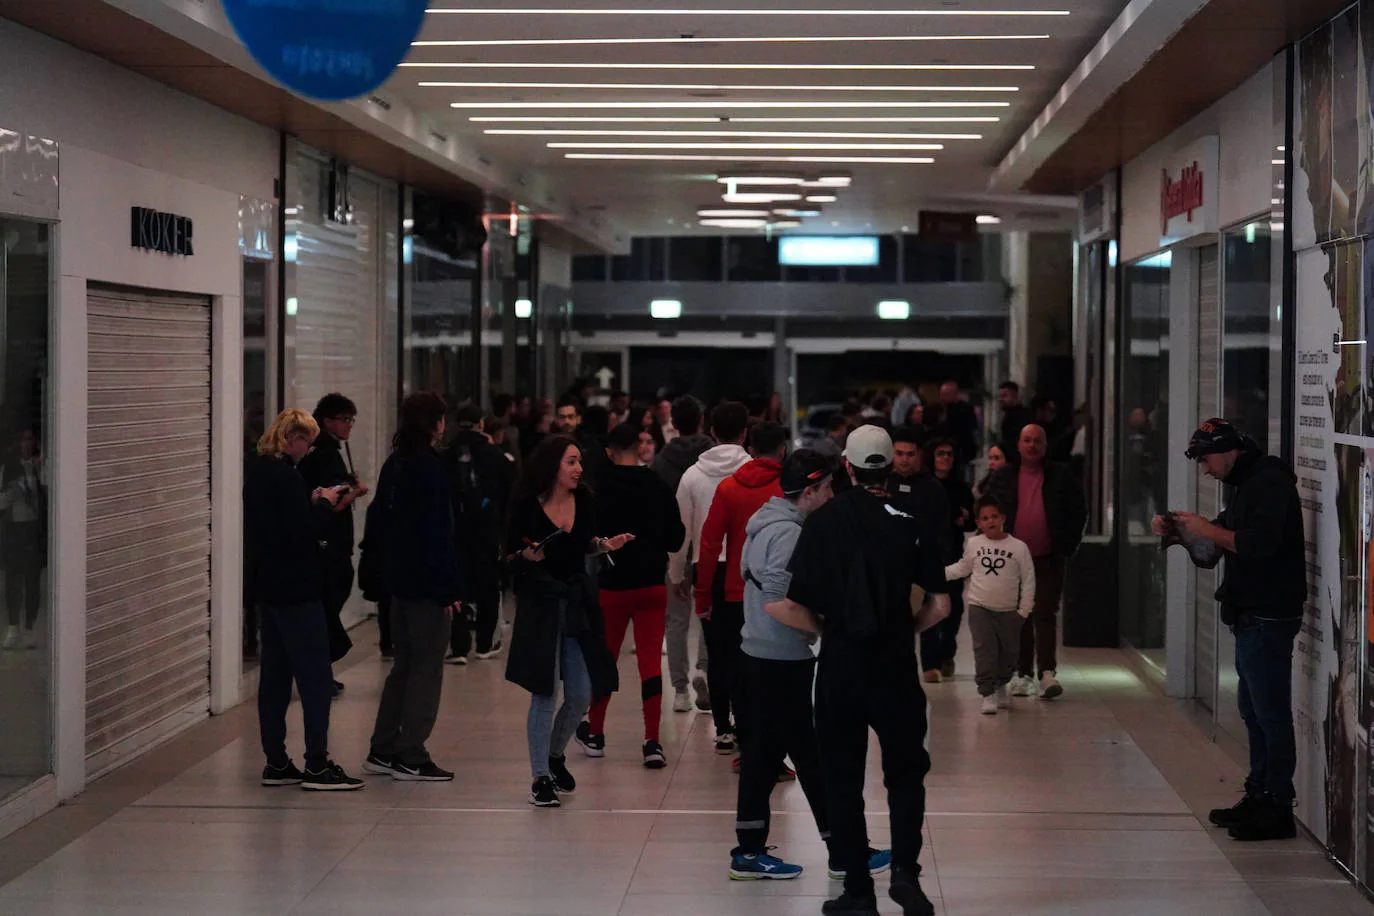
(1000, 595)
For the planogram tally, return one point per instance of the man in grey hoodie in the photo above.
(777, 670)
(671, 463)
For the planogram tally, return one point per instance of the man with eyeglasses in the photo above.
(329, 466)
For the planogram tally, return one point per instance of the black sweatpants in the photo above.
(777, 697)
(876, 684)
(723, 636)
(484, 574)
(295, 646)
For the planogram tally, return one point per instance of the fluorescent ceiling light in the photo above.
(792, 134)
(665, 308)
(821, 198)
(524, 308)
(622, 65)
(797, 212)
(732, 39)
(764, 146)
(988, 220)
(611, 119)
(734, 223)
(803, 104)
(656, 157)
(710, 87)
(828, 181)
(739, 177)
(611, 11)
(758, 197)
(894, 309)
(734, 214)
(785, 223)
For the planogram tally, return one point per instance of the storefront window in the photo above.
(439, 315)
(1246, 332)
(25, 654)
(1144, 402)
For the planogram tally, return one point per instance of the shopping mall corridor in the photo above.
(1088, 805)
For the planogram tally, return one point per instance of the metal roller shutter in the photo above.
(148, 520)
(1208, 491)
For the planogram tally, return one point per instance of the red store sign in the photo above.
(1181, 197)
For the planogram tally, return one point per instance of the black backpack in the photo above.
(372, 550)
(469, 497)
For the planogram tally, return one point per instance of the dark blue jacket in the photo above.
(420, 555)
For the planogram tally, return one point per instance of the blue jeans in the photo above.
(1264, 662)
(547, 731)
(295, 646)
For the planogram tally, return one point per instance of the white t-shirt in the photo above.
(1001, 574)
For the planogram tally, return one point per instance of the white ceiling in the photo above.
(661, 197)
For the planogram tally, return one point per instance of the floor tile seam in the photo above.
(335, 867)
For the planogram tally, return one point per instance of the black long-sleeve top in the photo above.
(635, 500)
(283, 530)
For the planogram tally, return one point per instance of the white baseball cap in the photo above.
(869, 447)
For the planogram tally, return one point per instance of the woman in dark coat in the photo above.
(559, 633)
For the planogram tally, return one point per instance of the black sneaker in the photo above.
(653, 756)
(849, 905)
(1237, 814)
(543, 794)
(592, 745)
(378, 765)
(1271, 819)
(563, 781)
(421, 772)
(905, 891)
(330, 779)
(282, 776)
(726, 743)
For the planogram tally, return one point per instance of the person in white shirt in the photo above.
(1000, 596)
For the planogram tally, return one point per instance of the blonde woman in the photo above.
(283, 523)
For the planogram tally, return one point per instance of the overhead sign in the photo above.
(1188, 192)
(1097, 210)
(828, 251)
(327, 49)
(935, 226)
(165, 232)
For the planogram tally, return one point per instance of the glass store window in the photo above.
(1246, 332)
(25, 662)
(1142, 447)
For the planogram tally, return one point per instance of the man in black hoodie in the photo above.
(481, 476)
(1262, 596)
(670, 464)
(633, 499)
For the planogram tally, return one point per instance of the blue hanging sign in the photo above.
(328, 49)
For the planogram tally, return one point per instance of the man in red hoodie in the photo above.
(736, 500)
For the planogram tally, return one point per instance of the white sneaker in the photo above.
(989, 706)
(1049, 686)
(11, 638)
(1003, 697)
(682, 701)
(1021, 687)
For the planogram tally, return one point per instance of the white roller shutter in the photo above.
(148, 520)
(1208, 491)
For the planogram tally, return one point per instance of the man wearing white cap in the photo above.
(862, 571)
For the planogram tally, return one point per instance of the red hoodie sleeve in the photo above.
(712, 540)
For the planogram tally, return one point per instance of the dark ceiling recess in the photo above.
(103, 30)
(1225, 44)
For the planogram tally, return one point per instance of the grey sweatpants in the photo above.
(996, 642)
(410, 696)
(677, 630)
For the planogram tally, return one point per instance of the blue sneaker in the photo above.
(879, 861)
(745, 867)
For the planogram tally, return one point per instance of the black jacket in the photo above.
(282, 530)
(495, 473)
(534, 641)
(416, 518)
(1066, 510)
(922, 496)
(961, 520)
(1267, 575)
(679, 455)
(635, 500)
(1014, 420)
(325, 467)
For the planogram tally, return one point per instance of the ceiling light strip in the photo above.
(914, 160)
(710, 87)
(611, 119)
(731, 39)
(801, 104)
(725, 146)
(610, 11)
(583, 65)
(789, 134)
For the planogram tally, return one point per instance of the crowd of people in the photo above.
(808, 569)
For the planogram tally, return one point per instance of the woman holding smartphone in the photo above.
(559, 633)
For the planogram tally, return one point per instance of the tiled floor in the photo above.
(1088, 805)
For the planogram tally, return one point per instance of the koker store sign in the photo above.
(1188, 193)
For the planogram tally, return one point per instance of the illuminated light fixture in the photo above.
(732, 39)
(828, 181)
(654, 157)
(900, 147)
(711, 87)
(665, 309)
(1250, 234)
(784, 224)
(849, 106)
(1163, 259)
(789, 134)
(986, 220)
(524, 308)
(894, 310)
(797, 213)
(758, 197)
(622, 65)
(293, 305)
(601, 11)
(758, 178)
(733, 214)
(821, 198)
(733, 223)
(1276, 161)
(611, 119)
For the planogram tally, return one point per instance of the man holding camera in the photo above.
(1262, 595)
